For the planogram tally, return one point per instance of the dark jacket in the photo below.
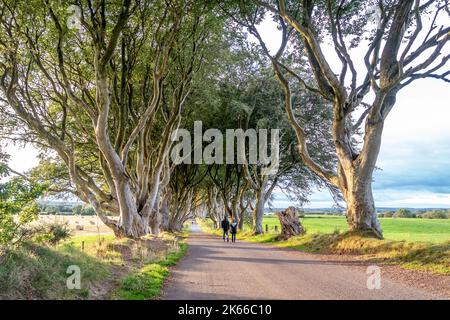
(233, 227)
(225, 224)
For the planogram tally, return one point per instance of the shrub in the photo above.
(420, 213)
(83, 210)
(88, 211)
(18, 208)
(51, 233)
(388, 214)
(436, 214)
(77, 210)
(404, 213)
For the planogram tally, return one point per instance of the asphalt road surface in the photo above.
(213, 269)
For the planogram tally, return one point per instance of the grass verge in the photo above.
(434, 257)
(40, 272)
(147, 282)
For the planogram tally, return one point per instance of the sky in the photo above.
(414, 160)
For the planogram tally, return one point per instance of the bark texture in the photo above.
(258, 213)
(290, 223)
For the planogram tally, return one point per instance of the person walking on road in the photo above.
(225, 228)
(233, 230)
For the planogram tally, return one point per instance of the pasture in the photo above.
(407, 229)
(79, 225)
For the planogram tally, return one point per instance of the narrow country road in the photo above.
(213, 269)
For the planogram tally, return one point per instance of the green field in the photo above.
(413, 230)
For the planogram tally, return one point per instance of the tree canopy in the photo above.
(101, 87)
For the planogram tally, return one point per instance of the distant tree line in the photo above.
(64, 208)
(426, 214)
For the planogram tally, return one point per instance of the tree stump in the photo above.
(290, 223)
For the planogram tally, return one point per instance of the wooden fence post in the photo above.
(267, 228)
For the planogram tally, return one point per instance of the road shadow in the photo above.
(280, 261)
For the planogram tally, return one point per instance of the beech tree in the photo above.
(289, 175)
(185, 194)
(401, 48)
(249, 97)
(254, 101)
(105, 95)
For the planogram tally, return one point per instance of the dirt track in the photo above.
(213, 269)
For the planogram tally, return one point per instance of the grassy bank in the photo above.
(38, 272)
(108, 267)
(147, 282)
(428, 256)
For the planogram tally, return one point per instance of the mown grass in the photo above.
(419, 255)
(40, 272)
(401, 229)
(147, 282)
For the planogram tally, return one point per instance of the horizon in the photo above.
(75, 202)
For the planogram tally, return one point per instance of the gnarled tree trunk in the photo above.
(258, 212)
(361, 213)
(155, 222)
(290, 223)
(165, 210)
